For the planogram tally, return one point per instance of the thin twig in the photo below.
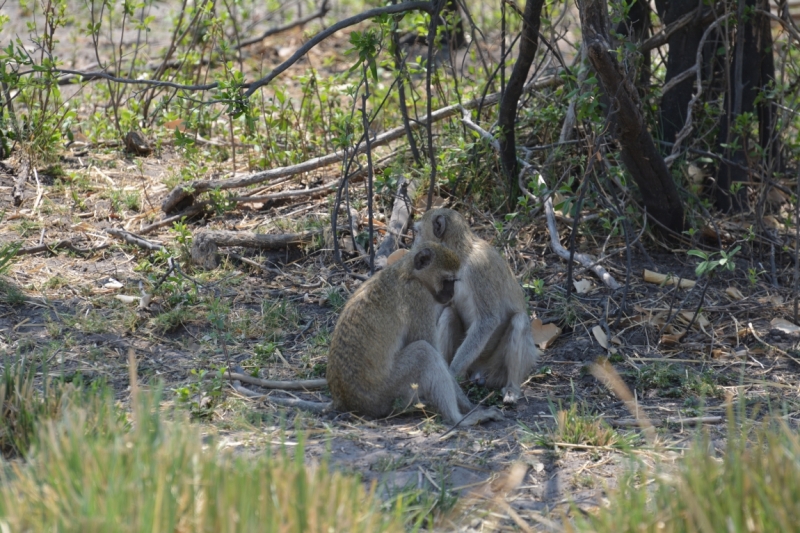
(131, 238)
(252, 87)
(319, 13)
(303, 384)
(370, 223)
(429, 103)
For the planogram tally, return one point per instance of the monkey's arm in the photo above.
(478, 335)
(449, 333)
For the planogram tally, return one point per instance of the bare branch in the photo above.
(206, 243)
(555, 243)
(321, 36)
(306, 384)
(254, 86)
(319, 13)
(686, 130)
(187, 191)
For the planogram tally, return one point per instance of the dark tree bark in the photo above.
(682, 53)
(507, 116)
(637, 28)
(768, 136)
(455, 37)
(639, 152)
(752, 68)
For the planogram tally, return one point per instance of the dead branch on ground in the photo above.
(65, 244)
(18, 192)
(131, 238)
(302, 384)
(584, 259)
(206, 243)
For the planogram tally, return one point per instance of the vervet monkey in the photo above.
(382, 350)
(486, 331)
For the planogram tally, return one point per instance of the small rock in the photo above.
(136, 143)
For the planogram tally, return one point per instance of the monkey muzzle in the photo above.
(447, 292)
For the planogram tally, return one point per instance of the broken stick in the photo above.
(398, 224)
(206, 243)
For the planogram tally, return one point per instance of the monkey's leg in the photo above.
(421, 364)
(449, 333)
(514, 358)
(478, 336)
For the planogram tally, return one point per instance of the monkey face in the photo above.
(435, 267)
(446, 293)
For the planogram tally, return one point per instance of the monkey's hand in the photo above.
(478, 335)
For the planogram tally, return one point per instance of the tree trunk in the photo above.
(455, 38)
(682, 53)
(507, 116)
(639, 153)
(752, 68)
(636, 27)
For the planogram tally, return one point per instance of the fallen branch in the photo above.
(311, 193)
(584, 259)
(313, 407)
(355, 177)
(654, 277)
(303, 384)
(206, 243)
(185, 193)
(192, 211)
(68, 244)
(18, 192)
(632, 422)
(398, 224)
(130, 238)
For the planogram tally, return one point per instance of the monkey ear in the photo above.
(423, 258)
(439, 225)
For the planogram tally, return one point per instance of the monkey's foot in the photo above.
(511, 394)
(478, 378)
(482, 415)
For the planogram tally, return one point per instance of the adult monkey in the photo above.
(381, 347)
(486, 331)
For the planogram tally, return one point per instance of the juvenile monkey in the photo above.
(486, 331)
(382, 348)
